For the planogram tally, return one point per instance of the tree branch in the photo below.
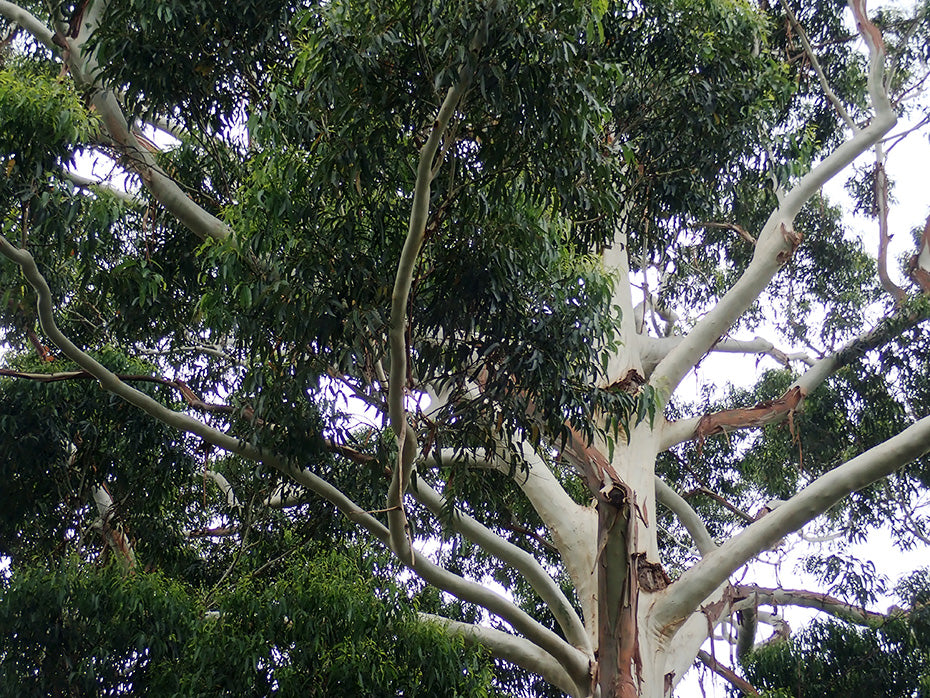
(686, 515)
(725, 672)
(30, 23)
(135, 156)
(512, 649)
(778, 239)
(516, 557)
(699, 582)
(761, 596)
(657, 348)
(231, 500)
(397, 325)
(94, 185)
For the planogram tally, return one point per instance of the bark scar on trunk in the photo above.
(793, 238)
(651, 576)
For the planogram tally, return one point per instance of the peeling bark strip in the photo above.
(761, 414)
(793, 238)
(630, 383)
(918, 268)
(592, 465)
(617, 597)
(884, 237)
(868, 30)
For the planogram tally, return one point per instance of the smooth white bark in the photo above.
(95, 185)
(626, 356)
(513, 649)
(29, 22)
(688, 517)
(698, 582)
(573, 527)
(231, 500)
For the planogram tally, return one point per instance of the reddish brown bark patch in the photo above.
(759, 415)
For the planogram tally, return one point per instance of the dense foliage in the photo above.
(221, 198)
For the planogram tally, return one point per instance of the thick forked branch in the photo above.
(511, 648)
(573, 527)
(778, 240)
(697, 583)
(516, 557)
(573, 660)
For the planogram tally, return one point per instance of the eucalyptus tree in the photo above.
(509, 229)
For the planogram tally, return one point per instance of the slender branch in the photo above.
(511, 648)
(94, 185)
(815, 65)
(657, 348)
(516, 557)
(686, 515)
(720, 499)
(759, 596)
(697, 583)
(725, 672)
(762, 346)
(735, 227)
(677, 432)
(190, 398)
(397, 339)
